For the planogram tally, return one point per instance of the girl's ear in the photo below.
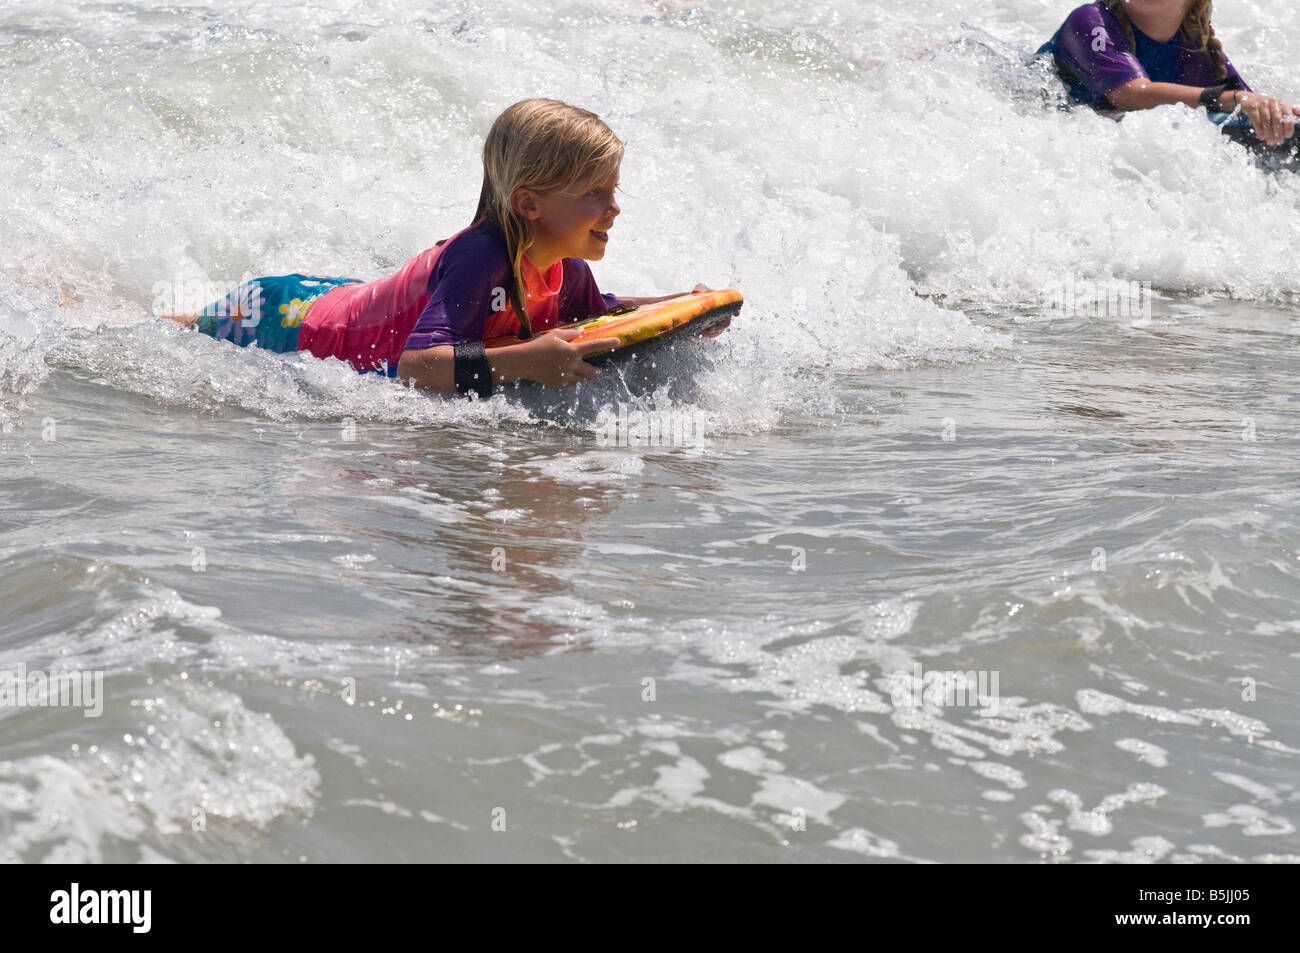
(524, 202)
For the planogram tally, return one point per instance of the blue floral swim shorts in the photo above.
(266, 311)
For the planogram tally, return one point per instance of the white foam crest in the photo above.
(194, 757)
(126, 638)
(141, 623)
(592, 467)
(1153, 755)
(1142, 850)
(1260, 792)
(1097, 820)
(204, 749)
(1016, 728)
(798, 799)
(22, 344)
(859, 840)
(799, 676)
(1096, 702)
(55, 810)
(176, 366)
(1044, 837)
(1253, 821)
(1002, 773)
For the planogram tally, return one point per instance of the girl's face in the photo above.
(571, 224)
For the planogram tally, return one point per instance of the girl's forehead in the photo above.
(605, 176)
(602, 178)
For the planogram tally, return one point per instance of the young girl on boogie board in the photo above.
(546, 207)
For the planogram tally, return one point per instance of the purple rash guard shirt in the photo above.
(467, 301)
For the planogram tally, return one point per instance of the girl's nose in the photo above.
(613, 207)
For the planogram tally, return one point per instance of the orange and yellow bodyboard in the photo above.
(641, 325)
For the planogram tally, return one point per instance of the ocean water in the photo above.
(332, 619)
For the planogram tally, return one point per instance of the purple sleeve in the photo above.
(1093, 46)
(469, 273)
(1234, 78)
(1197, 69)
(579, 296)
(1204, 76)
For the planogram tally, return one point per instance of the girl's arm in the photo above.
(1273, 119)
(548, 359)
(637, 302)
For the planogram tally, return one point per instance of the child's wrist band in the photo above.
(1210, 96)
(472, 372)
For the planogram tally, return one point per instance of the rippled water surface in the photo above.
(338, 621)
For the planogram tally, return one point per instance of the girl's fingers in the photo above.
(1261, 117)
(1286, 123)
(596, 345)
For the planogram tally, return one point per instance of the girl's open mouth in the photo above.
(603, 236)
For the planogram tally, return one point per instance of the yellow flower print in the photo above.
(293, 312)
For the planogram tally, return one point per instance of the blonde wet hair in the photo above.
(1196, 28)
(546, 146)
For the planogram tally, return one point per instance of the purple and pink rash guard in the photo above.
(452, 293)
(1094, 58)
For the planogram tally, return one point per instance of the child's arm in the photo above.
(637, 302)
(1273, 119)
(548, 359)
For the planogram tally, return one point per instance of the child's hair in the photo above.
(1196, 28)
(543, 145)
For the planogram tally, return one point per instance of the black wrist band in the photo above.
(472, 372)
(1210, 96)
